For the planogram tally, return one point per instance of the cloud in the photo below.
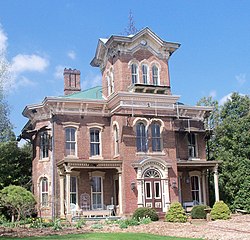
(213, 93)
(3, 40)
(23, 63)
(71, 54)
(92, 80)
(58, 74)
(24, 82)
(225, 99)
(241, 78)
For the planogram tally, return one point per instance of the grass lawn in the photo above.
(108, 236)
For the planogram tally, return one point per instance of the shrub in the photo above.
(145, 212)
(145, 220)
(97, 226)
(176, 213)
(80, 223)
(123, 224)
(198, 212)
(57, 225)
(220, 210)
(18, 200)
(3, 219)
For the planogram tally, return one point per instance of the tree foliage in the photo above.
(15, 164)
(230, 143)
(233, 148)
(18, 200)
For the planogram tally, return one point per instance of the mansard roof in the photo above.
(144, 38)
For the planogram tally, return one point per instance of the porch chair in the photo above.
(73, 209)
(85, 201)
(111, 209)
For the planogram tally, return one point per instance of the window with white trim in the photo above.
(108, 85)
(192, 145)
(95, 142)
(73, 189)
(156, 137)
(141, 137)
(195, 188)
(70, 141)
(44, 145)
(134, 73)
(44, 192)
(145, 74)
(155, 75)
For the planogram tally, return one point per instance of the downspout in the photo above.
(53, 170)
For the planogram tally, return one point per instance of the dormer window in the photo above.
(134, 73)
(145, 74)
(155, 75)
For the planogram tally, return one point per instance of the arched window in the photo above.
(155, 75)
(44, 193)
(145, 74)
(195, 188)
(95, 142)
(134, 73)
(156, 137)
(141, 137)
(70, 141)
(44, 145)
(116, 139)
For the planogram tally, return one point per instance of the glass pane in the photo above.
(73, 198)
(148, 190)
(73, 184)
(44, 199)
(157, 190)
(72, 133)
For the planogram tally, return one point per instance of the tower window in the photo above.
(134, 73)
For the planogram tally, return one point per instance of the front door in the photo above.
(153, 190)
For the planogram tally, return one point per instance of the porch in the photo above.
(90, 189)
(193, 182)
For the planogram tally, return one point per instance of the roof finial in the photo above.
(131, 29)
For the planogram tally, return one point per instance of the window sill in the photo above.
(96, 158)
(151, 153)
(193, 159)
(44, 160)
(71, 157)
(116, 156)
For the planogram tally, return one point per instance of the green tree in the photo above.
(18, 200)
(232, 147)
(6, 127)
(15, 164)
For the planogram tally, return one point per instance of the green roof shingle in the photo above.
(94, 93)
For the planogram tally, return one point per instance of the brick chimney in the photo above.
(71, 81)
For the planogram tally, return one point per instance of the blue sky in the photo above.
(40, 38)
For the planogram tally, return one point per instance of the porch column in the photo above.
(216, 183)
(62, 195)
(67, 192)
(120, 192)
(167, 195)
(204, 187)
(139, 191)
(139, 188)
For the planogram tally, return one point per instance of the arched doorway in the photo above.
(153, 189)
(153, 183)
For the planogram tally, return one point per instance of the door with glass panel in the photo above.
(152, 190)
(97, 193)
